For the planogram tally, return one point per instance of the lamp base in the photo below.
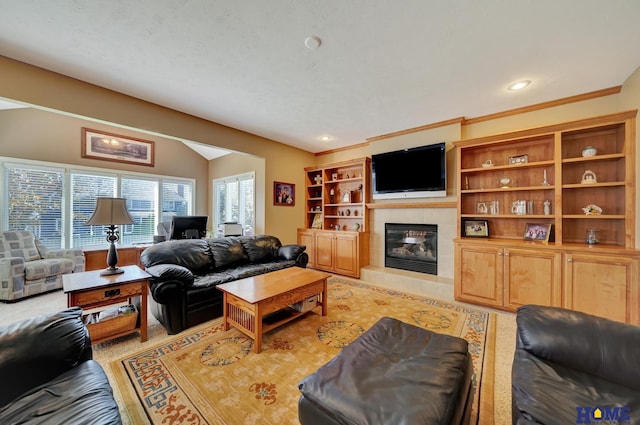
(109, 271)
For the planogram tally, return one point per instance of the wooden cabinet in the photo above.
(604, 285)
(506, 180)
(308, 239)
(480, 275)
(336, 216)
(505, 276)
(333, 251)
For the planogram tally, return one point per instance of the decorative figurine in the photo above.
(547, 207)
(318, 179)
(505, 182)
(592, 209)
(589, 177)
(545, 182)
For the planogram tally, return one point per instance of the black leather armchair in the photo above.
(48, 376)
(567, 364)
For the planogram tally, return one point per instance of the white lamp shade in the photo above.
(111, 211)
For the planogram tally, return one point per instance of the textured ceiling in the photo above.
(382, 66)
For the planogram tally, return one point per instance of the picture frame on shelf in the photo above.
(98, 144)
(284, 194)
(518, 159)
(475, 228)
(538, 232)
(317, 221)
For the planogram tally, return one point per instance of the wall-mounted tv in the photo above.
(410, 173)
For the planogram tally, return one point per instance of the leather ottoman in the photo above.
(394, 373)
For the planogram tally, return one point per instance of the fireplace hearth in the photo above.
(412, 247)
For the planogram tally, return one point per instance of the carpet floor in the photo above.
(127, 347)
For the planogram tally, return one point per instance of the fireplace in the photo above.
(411, 247)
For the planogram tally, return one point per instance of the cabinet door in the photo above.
(602, 286)
(532, 277)
(324, 251)
(347, 255)
(308, 239)
(479, 274)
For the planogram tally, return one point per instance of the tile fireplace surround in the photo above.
(376, 272)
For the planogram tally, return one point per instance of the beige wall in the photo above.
(45, 89)
(45, 136)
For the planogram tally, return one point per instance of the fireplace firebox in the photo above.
(411, 247)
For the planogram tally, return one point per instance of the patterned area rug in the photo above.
(209, 376)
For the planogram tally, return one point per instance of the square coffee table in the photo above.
(247, 301)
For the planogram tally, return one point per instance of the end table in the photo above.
(89, 290)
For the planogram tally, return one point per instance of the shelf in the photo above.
(555, 153)
(594, 158)
(351, 179)
(588, 185)
(345, 216)
(536, 164)
(595, 216)
(507, 189)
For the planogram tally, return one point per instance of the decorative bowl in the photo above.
(589, 151)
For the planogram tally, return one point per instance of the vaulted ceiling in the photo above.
(375, 66)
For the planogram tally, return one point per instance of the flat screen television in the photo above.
(189, 227)
(419, 172)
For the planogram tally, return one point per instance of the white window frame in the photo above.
(68, 169)
(224, 180)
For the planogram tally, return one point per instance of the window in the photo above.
(234, 199)
(35, 202)
(56, 202)
(85, 188)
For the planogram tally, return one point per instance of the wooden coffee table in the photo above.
(248, 301)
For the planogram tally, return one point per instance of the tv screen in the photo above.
(189, 227)
(410, 173)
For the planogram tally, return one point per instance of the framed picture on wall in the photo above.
(284, 194)
(97, 144)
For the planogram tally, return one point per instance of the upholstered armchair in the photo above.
(28, 268)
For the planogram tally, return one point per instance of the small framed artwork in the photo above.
(98, 144)
(519, 159)
(284, 194)
(475, 228)
(538, 232)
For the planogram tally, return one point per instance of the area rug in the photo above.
(212, 376)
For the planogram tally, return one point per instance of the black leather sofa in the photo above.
(48, 376)
(567, 364)
(185, 273)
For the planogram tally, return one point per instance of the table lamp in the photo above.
(111, 212)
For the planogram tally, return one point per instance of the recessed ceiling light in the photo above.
(325, 138)
(519, 85)
(312, 42)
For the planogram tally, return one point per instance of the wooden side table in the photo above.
(89, 290)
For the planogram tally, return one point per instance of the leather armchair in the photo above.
(569, 363)
(48, 375)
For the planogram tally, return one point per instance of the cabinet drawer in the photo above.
(101, 295)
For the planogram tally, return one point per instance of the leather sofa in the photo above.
(48, 375)
(185, 273)
(28, 268)
(572, 367)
